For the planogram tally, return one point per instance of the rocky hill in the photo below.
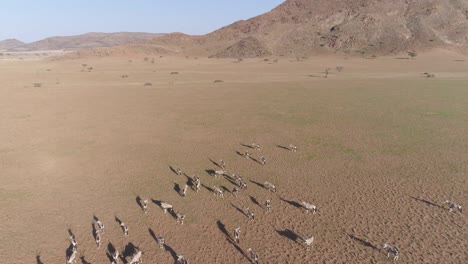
(361, 27)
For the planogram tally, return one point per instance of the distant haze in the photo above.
(30, 21)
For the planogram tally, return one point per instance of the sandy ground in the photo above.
(380, 148)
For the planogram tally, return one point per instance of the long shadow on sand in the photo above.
(258, 184)
(362, 241)
(240, 210)
(427, 202)
(172, 251)
(283, 147)
(290, 235)
(83, 260)
(293, 203)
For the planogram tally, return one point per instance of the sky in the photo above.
(32, 20)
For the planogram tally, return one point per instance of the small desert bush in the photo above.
(174, 73)
(148, 84)
(339, 68)
(37, 85)
(218, 81)
(124, 76)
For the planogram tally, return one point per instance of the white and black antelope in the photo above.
(308, 243)
(309, 207)
(181, 260)
(166, 207)
(391, 250)
(136, 259)
(161, 241)
(180, 218)
(250, 214)
(237, 235)
(453, 206)
(270, 186)
(292, 148)
(268, 205)
(197, 183)
(253, 256)
(218, 192)
(124, 228)
(263, 160)
(145, 206)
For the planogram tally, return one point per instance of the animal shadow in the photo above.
(173, 170)
(171, 250)
(83, 260)
(129, 250)
(362, 241)
(427, 202)
(210, 172)
(177, 188)
(247, 146)
(254, 200)
(258, 184)
(222, 228)
(240, 154)
(153, 235)
(208, 188)
(139, 202)
(215, 163)
(283, 147)
(240, 210)
(289, 234)
(110, 250)
(293, 203)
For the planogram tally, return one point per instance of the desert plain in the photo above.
(380, 147)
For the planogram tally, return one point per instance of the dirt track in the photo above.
(380, 148)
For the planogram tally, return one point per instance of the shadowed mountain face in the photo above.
(88, 40)
(303, 27)
(361, 27)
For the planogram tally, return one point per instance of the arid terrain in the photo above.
(380, 147)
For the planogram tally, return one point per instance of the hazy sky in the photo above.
(31, 20)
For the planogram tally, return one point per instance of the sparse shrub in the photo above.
(218, 81)
(130, 61)
(172, 73)
(90, 68)
(266, 60)
(148, 84)
(124, 76)
(339, 68)
(84, 65)
(152, 60)
(146, 59)
(49, 70)
(37, 85)
(239, 59)
(276, 60)
(1, 54)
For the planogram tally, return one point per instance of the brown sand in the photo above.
(380, 148)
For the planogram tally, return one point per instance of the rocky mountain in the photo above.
(361, 27)
(88, 40)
